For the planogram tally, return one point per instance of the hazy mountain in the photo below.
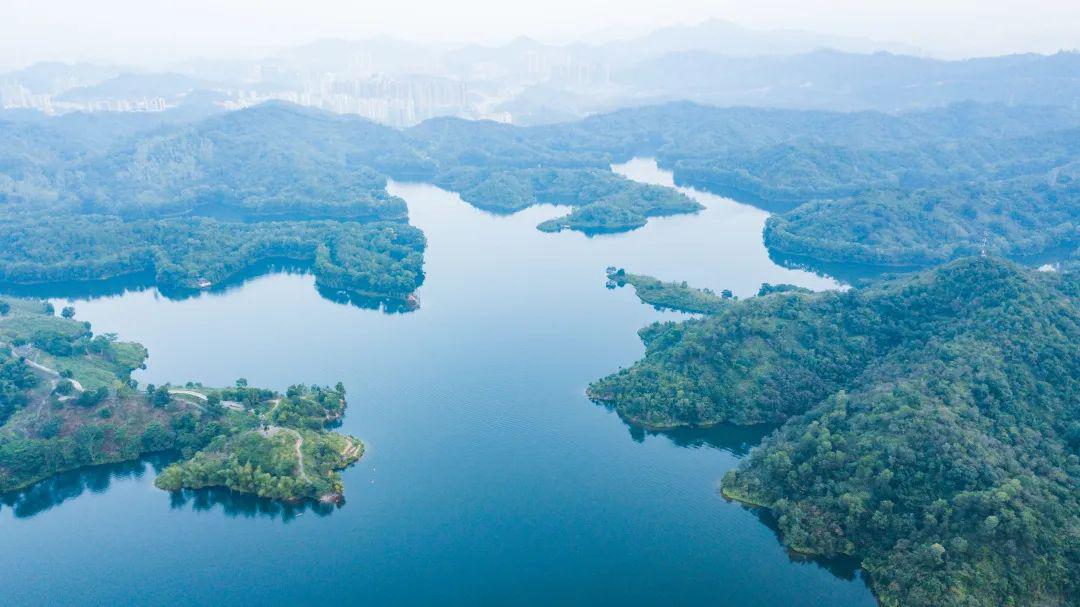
(53, 78)
(527, 56)
(526, 81)
(849, 81)
(133, 86)
(727, 38)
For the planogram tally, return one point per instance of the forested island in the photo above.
(669, 295)
(67, 400)
(930, 424)
(602, 200)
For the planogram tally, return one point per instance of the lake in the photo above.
(489, 478)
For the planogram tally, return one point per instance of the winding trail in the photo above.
(272, 430)
(300, 458)
(25, 351)
(229, 404)
(299, 453)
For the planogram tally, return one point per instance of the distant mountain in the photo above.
(727, 38)
(525, 56)
(528, 82)
(53, 78)
(830, 79)
(133, 86)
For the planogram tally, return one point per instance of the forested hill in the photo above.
(873, 188)
(193, 205)
(282, 162)
(932, 424)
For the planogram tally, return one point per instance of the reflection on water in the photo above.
(387, 305)
(50, 493)
(736, 440)
(850, 273)
(842, 566)
(65, 486)
(131, 283)
(234, 504)
(142, 281)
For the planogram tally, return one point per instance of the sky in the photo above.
(157, 32)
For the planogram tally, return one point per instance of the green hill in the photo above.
(931, 424)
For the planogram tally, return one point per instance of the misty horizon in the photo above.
(169, 36)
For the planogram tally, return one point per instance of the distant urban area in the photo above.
(527, 82)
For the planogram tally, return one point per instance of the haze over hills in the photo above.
(525, 81)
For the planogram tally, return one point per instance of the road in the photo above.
(52, 372)
(228, 404)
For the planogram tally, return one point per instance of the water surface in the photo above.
(489, 477)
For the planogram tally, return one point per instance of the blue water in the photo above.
(489, 478)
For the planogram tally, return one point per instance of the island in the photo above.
(67, 400)
(680, 297)
(929, 424)
(602, 201)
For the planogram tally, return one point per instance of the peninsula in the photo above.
(929, 424)
(67, 400)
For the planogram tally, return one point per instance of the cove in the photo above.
(488, 476)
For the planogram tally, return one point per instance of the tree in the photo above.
(68, 312)
(90, 398)
(160, 396)
(213, 405)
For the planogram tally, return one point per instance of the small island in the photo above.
(602, 201)
(67, 401)
(676, 296)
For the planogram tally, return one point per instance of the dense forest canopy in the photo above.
(194, 205)
(931, 424)
(890, 190)
(184, 253)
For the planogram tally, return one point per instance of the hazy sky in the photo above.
(159, 31)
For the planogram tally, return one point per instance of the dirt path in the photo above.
(55, 378)
(299, 453)
(272, 430)
(229, 404)
(53, 373)
(351, 450)
(300, 459)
